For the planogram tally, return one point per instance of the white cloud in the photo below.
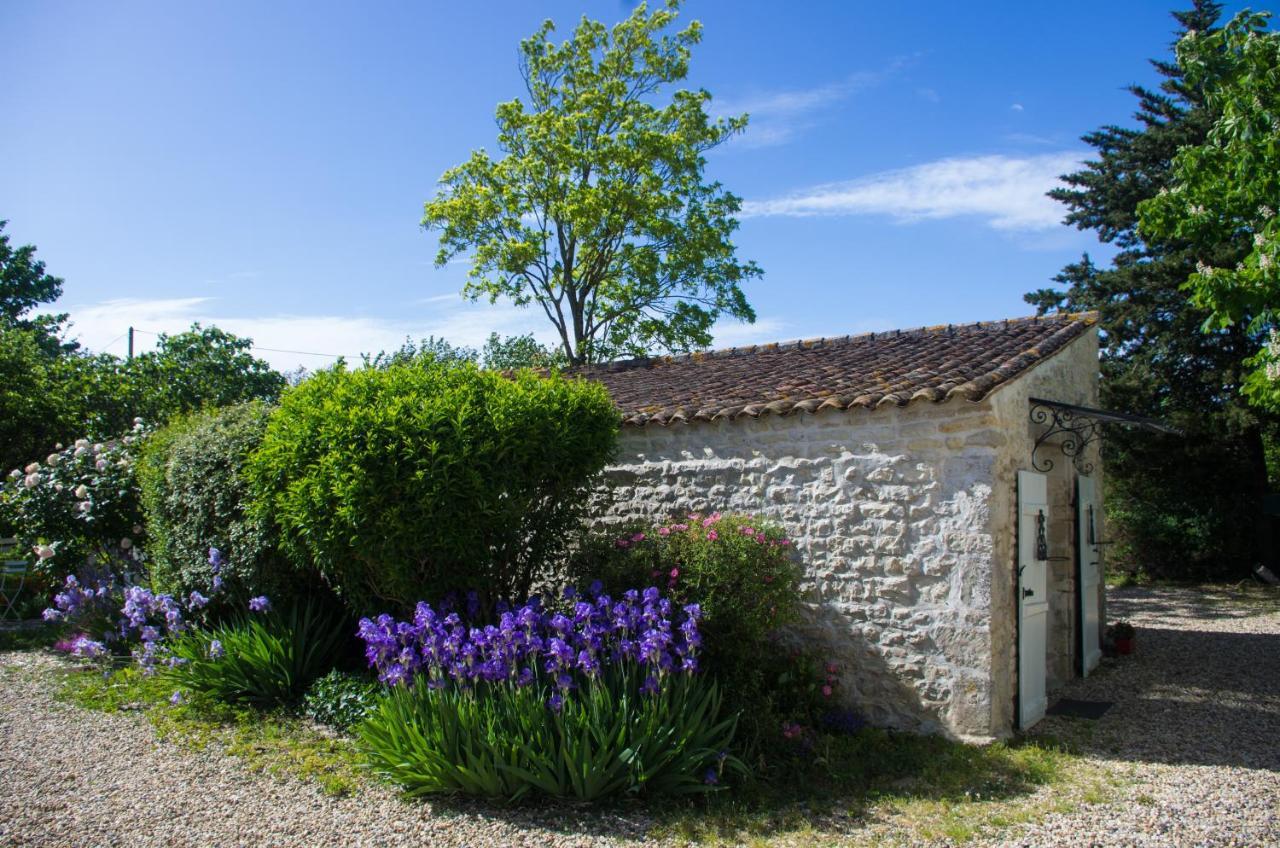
(778, 116)
(1008, 192)
(1017, 107)
(101, 326)
(730, 333)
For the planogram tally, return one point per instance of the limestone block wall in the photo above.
(1069, 376)
(892, 514)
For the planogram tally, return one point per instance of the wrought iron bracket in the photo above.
(1078, 431)
(1081, 426)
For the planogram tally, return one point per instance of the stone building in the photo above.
(948, 523)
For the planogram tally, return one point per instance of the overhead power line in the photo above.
(259, 347)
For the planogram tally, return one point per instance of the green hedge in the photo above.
(405, 483)
(195, 496)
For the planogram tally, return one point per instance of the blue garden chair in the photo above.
(13, 577)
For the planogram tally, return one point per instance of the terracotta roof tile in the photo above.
(892, 368)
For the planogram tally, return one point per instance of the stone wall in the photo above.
(1069, 376)
(890, 510)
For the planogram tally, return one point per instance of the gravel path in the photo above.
(1195, 731)
(76, 778)
(1195, 727)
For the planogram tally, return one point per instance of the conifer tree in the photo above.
(1180, 506)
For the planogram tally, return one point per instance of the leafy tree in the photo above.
(427, 350)
(1226, 187)
(1176, 503)
(202, 367)
(511, 352)
(599, 211)
(34, 409)
(24, 285)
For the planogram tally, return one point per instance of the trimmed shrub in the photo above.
(194, 494)
(264, 657)
(341, 699)
(417, 480)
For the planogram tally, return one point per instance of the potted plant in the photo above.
(1121, 634)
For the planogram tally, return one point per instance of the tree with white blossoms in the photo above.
(78, 504)
(1228, 188)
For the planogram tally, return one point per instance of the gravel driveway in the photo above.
(1195, 730)
(1195, 726)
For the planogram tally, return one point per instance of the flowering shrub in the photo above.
(193, 492)
(418, 479)
(744, 573)
(77, 503)
(740, 569)
(598, 699)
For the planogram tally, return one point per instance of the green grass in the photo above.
(276, 742)
(916, 787)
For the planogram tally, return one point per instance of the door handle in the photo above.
(1026, 593)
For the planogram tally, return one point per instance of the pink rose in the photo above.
(664, 531)
(713, 535)
(826, 691)
(639, 537)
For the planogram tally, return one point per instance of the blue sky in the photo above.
(263, 166)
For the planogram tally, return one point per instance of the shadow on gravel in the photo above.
(1202, 688)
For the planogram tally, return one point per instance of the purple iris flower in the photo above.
(259, 604)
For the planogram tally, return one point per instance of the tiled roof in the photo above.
(895, 367)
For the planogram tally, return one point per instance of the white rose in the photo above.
(82, 443)
(126, 543)
(137, 528)
(82, 491)
(32, 468)
(31, 481)
(81, 451)
(57, 487)
(84, 506)
(52, 459)
(43, 551)
(15, 474)
(102, 465)
(97, 448)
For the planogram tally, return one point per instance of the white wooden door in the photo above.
(1033, 596)
(1089, 577)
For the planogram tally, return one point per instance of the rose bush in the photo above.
(79, 503)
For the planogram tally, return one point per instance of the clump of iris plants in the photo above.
(640, 630)
(596, 696)
(115, 617)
